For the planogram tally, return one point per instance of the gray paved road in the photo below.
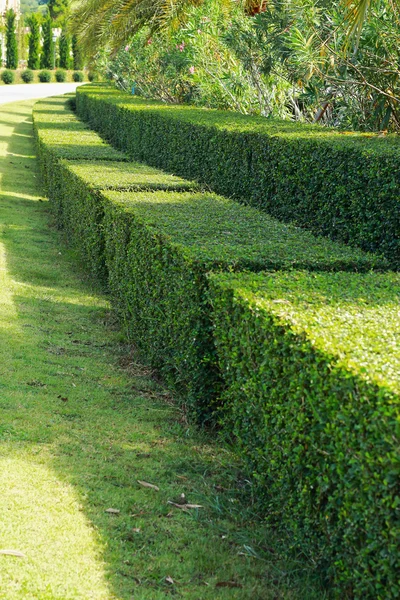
(15, 93)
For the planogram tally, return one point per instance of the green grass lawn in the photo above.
(81, 423)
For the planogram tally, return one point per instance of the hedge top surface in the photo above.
(352, 318)
(236, 122)
(126, 176)
(60, 129)
(217, 231)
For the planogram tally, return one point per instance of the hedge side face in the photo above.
(324, 422)
(160, 247)
(311, 363)
(344, 185)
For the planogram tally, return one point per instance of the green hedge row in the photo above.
(154, 248)
(343, 185)
(312, 363)
(156, 241)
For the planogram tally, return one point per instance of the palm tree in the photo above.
(100, 22)
(97, 22)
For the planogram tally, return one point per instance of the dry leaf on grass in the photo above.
(113, 511)
(169, 580)
(13, 553)
(148, 485)
(185, 506)
(136, 529)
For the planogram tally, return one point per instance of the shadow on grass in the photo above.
(108, 424)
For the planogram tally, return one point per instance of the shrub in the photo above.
(344, 186)
(300, 380)
(44, 76)
(311, 364)
(178, 239)
(92, 76)
(78, 76)
(61, 75)
(7, 76)
(27, 76)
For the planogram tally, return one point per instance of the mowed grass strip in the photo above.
(81, 423)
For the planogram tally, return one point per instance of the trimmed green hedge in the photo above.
(159, 246)
(157, 242)
(312, 363)
(63, 135)
(343, 185)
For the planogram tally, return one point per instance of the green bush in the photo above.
(92, 76)
(311, 364)
(298, 379)
(179, 238)
(61, 75)
(7, 76)
(341, 185)
(78, 76)
(44, 76)
(27, 76)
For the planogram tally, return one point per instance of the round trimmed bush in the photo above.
(77, 76)
(45, 76)
(92, 76)
(8, 76)
(27, 76)
(61, 75)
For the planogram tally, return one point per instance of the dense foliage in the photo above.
(64, 50)
(34, 42)
(11, 41)
(315, 353)
(44, 76)
(293, 59)
(77, 55)
(47, 52)
(27, 76)
(311, 364)
(343, 186)
(7, 76)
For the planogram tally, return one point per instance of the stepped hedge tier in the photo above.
(172, 256)
(340, 184)
(311, 364)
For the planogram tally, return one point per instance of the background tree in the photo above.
(77, 53)
(64, 50)
(58, 9)
(47, 54)
(11, 41)
(34, 42)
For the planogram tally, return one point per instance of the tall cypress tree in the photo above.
(11, 41)
(46, 57)
(34, 42)
(77, 54)
(64, 50)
